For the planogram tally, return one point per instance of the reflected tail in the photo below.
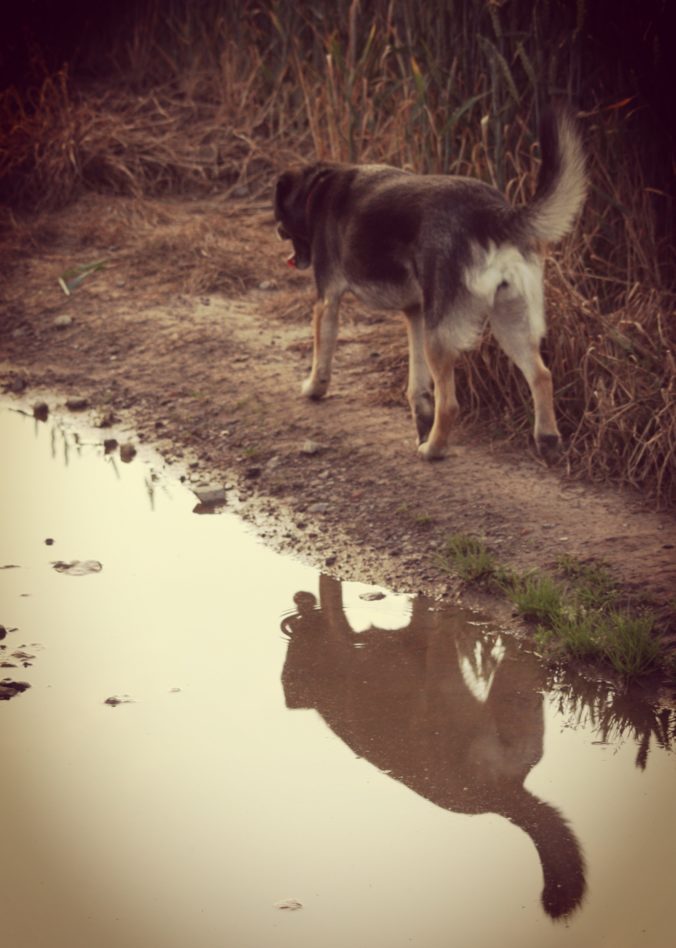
(561, 856)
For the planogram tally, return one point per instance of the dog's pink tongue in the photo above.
(291, 261)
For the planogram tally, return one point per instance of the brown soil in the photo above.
(197, 336)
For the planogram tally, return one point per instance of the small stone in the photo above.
(289, 905)
(210, 495)
(330, 560)
(109, 445)
(310, 447)
(41, 411)
(267, 285)
(116, 700)
(77, 567)
(77, 403)
(127, 452)
(372, 596)
(63, 321)
(9, 689)
(319, 508)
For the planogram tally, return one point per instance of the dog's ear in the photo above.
(293, 186)
(283, 188)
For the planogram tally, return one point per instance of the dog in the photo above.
(450, 252)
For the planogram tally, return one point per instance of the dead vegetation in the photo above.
(210, 100)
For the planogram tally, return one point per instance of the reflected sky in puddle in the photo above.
(406, 773)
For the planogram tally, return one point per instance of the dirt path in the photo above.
(213, 378)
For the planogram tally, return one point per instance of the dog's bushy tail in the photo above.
(562, 181)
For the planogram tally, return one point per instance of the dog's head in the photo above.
(295, 192)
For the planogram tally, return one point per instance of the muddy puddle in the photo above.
(206, 744)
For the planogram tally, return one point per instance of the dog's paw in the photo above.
(431, 452)
(314, 388)
(423, 427)
(549, 447)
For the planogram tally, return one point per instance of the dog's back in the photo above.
(380, 223)
(450, 252)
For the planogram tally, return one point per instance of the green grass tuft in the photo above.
(582, 616)
(629, 643)
(536, 596)
(468, 557)
(625, 641)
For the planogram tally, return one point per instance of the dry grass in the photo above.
(212, 99)
(121, 142)
(159, 246)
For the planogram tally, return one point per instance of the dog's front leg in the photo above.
(325, 334)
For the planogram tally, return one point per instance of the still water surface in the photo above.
(405, 772)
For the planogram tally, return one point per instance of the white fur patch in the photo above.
(479, 668)
(503, 274)
(553, 218)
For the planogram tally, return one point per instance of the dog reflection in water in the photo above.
(452, 713)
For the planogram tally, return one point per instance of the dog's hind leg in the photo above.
(325, 334)
(420, 391)
(512, 328)
(441, 359)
